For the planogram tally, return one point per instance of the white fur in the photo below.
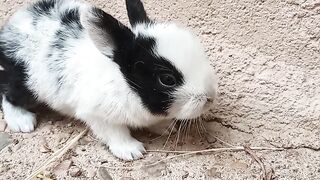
(18, 119)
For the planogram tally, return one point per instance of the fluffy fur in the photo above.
(82, 62)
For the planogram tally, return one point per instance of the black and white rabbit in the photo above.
(84, 63)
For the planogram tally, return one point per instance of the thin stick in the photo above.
(234, 148)
(186, 153)
(258, 160)
(57, 155)
(265, 175)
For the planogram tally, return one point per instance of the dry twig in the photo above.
(58, 154)
(186, 153)
(265, 175)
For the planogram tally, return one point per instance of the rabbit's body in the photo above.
(83, 63)
(63, 65)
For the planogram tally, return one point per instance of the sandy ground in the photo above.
(267, 56)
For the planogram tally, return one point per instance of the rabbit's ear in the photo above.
(136, 12)
(107, 32)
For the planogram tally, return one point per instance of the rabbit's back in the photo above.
(34, 30)
(60, 61)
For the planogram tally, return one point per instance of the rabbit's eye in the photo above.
(167, 80)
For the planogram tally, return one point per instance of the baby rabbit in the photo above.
(82, 62)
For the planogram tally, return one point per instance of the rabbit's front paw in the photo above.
(17, 118)
(128, 149)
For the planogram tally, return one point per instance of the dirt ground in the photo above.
(267, 57)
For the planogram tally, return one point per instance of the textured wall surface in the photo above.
(267, 56)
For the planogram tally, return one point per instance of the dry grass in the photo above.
(57, 155)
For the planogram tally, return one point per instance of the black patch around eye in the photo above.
(141, 68)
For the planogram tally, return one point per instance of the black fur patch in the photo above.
(43, 7)
(71, 28)
(14, 87)
(3, 77)
(144, 78)
(71, 18)
(139, 65)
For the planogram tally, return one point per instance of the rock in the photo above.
(91, 173)
(126, 178)
(210, 139)
(4, 140)
(213, 172)
(15, 141)
(85, 140)
(103, 174)
(192, 175)
(61, 139)
(48, 174)
(62, 168)
(48, 129)
(16, 147)
(310, 5)
(239, 165)
(3, 126)
(157, 170)
(74, 171)
(186, 174)
(3, 168)
(44, 146)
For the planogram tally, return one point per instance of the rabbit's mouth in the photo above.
(192, 107)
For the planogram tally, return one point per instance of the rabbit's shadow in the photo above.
(196, 136)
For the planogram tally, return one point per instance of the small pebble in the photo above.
(84, 141)
(48, 129)
(213, 172)
(164, 172)
(192, 175)
(62, 138)
(126, 178)
(185, 175)
(91, 173)
(157, 170)
(210, 139)
(44, 146)
(103, 174)
(16, 147)
(62, 168)
(75, 171)
(48, 174)
(3, 126)
(239, 165)
(4, 140)
(3, 168)
(15, 141)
